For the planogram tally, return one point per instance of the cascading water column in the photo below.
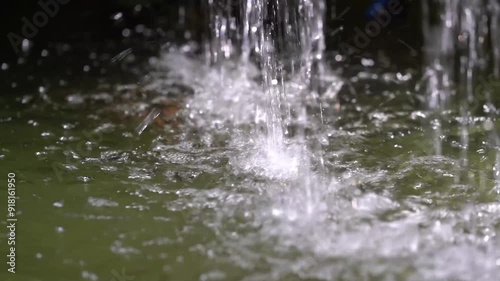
(286, 39)
(313, 46)
(439, 59)
(269, 55)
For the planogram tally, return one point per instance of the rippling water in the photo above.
(194, 198)
(233, 170)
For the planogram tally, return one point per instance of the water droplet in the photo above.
(118, 16)
(488, 125)
(84, 179)
(58, 204)
(367, 62)
(26, 99)
(33, 123)
(68, 126)
(90, 276)
(26, 45)
(126, 32)
(139, 28)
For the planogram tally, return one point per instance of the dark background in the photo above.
(88, 25)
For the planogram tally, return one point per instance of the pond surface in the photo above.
(198, 195)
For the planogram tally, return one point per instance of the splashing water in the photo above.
(262, 166)
(260, 86)
(285, 40)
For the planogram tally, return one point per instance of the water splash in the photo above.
(261, 77)
(285, 40)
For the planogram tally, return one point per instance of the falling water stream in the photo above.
(284, 40)
(462, 51)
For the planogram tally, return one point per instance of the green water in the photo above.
(97, 201)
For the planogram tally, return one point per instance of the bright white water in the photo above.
(285, 42)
